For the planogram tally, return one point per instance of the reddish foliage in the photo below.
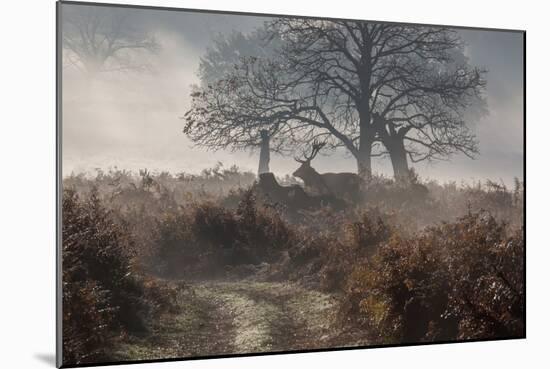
(102, 298)
(461, 280)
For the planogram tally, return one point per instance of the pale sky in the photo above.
(131, 120)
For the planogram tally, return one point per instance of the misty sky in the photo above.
(131, 120)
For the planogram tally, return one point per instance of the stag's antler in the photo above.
(315, 148)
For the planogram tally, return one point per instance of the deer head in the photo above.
(305, 170)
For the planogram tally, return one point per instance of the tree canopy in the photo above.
(372, 88)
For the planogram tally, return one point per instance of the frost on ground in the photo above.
(240, 317)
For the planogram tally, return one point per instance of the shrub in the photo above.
(102, 296)
(88, 318)
(361, 238)
(262, 229)
(328, 245)
(178, 251)
(461, 280)
(201, 239)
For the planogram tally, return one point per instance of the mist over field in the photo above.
(131, 120)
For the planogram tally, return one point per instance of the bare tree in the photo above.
(104, 40)
(214, 121)
(415, 78)
(329, 78)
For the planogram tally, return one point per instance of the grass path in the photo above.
(272, 316)
(238, 317)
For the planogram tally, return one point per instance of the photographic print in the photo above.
(236, 184)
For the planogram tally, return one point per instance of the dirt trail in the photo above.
(272, 316)
(239, 317)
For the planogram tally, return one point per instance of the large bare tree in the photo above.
(104, 40)
(329, 79)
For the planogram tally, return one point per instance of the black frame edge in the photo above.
(58, 188)
(525, 181)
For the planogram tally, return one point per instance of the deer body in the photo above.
(342, 185)
(313, 181)
(294, 196)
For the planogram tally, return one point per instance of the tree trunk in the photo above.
(393, 141)
(364, 166)
(264, 153)
(366, 139)
(398, 156)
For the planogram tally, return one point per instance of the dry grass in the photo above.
(424, 262)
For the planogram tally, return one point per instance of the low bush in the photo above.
(360, 239)
(202, 239)
(102, 296)
(327, 249)
(461, 280)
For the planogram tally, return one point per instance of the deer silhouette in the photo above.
(294, 196)
(342, 185)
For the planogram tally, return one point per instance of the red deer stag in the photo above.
(343, 185)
